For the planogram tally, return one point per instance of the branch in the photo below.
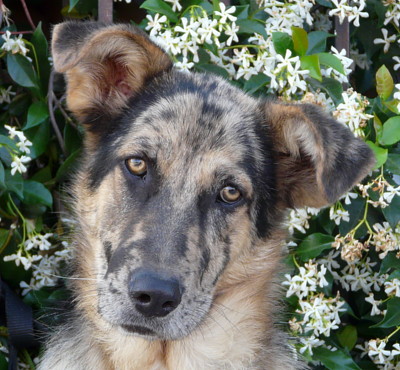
(105, 9)
(28, 15)
(51, 112)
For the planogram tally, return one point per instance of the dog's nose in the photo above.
(154, 294)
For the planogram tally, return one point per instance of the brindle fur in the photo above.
(198, 134)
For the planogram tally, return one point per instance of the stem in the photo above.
(34, 55)
(16, 32)
(22, 218)
(392, 333)
(295, 262)
(28, 15)
(28, 359)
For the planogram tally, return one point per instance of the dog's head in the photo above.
(183, 175)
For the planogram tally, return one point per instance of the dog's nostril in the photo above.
(143, 298)
(168, 305)
(154, 294)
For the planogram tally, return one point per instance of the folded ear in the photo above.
(104, 65)
(318, 158)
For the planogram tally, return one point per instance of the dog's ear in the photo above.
(318, 158)
(104, 65)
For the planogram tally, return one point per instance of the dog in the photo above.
(179, 202)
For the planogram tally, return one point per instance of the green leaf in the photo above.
(391, 131)
(331, 86)
(38, 112)
(39, 136)
(21, 70)
(384, 83)
(311, 62)
(393, 163)
(14, 183)
(72, 4)
(159, 6)
(282, 41)
(317, 42)
(250, 26)
(378, 127)
(381, 154)
(41, 46)
(347, 336)
(389, 262)
(329, 60)
(68, 166)
(313, 245)
(392, 106)
(392, 212)
(394, 275)
(392, 317)
(5, 140)
(335, 360)
(300, 40)
(35, 192)
(256, 82)
(2, 177)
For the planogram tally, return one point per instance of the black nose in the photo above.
(154, 294)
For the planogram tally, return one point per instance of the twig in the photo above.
(28, 15)
(16, 32)
(105, 10)
(64, 113)
(53, 121)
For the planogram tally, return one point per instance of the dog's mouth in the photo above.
(136, 329)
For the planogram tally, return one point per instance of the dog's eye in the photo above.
(230, 195)
(136, 166)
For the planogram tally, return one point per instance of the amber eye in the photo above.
(230, 195)
(136, 166)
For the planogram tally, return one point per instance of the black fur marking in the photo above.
(107, 250)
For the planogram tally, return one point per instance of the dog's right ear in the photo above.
(104, 65)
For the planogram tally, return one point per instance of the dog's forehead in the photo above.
(200, 116)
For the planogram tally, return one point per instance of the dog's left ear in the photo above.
(104, 65)
(318, 158)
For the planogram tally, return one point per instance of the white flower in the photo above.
(298, 219)
(15, 46)
(308, 343)
(376, 350)
(5, 94)
(225, 14)
(208, 31)
(17, 165)
(397, 65)
(231, 31)
(185, 65)
(155, 24)
(386, 40)
(392, 287)
(337, 215)
(348, 196)
(375, 310)
(24, 261)
(176, 6)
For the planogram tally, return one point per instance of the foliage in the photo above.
(343, 285)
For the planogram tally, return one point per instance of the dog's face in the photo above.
(183, 175)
